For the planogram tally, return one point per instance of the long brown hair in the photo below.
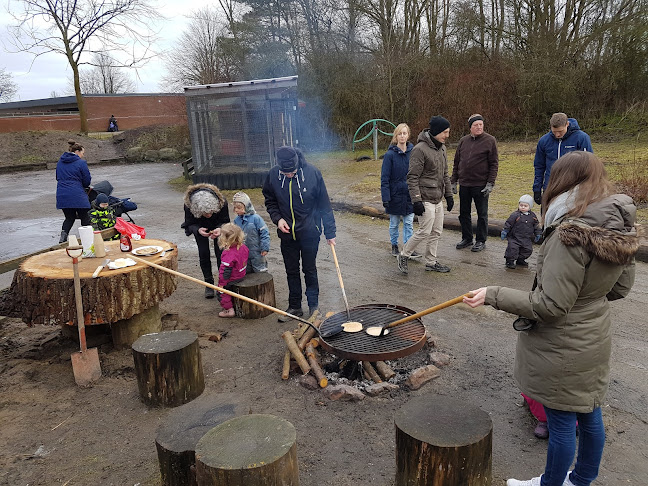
(582, 169)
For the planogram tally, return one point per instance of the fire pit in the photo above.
(401, 341)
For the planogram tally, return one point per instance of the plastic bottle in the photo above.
(125, 243)
(99, 248)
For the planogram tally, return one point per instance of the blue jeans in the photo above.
(562, 446)
(408, 227)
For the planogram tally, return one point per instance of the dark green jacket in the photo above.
(427, 177)
(563, 362)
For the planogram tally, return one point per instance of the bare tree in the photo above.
(104, 78)
(8, 88)
(77, 27)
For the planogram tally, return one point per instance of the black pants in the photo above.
(204, 257)
(306, 250)
(75, 213)
(466, 196)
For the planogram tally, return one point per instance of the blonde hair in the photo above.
(231, 235)
(398, 129)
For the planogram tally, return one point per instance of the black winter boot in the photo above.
(510, 263)
(209, 292)
(395, 250)
(64, 237)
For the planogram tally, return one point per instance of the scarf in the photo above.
(560, 206)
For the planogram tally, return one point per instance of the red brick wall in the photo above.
(131, 112)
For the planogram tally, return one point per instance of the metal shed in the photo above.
(236, 128)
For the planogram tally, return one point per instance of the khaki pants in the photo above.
(429, 232)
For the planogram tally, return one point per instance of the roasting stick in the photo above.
(220, 289)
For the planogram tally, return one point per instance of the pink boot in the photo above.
(227, 313)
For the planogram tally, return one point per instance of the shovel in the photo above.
(381, 331)
(85, 363)
(337, 267)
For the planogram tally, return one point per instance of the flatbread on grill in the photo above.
(375, 331)
(352, 326)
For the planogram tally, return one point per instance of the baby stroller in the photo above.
(121, 206)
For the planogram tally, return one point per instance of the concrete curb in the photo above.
(451, 221)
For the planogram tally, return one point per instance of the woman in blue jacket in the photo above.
(393, 186)
(72, 176)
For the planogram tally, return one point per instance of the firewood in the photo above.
(315, 367)
(308, 335)
(285, 373)
(383, 369)
(371, 372)
(296, 352)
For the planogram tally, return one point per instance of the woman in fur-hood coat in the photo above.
(563, 360)
(205, 210)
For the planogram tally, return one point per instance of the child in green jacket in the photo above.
(102, 216)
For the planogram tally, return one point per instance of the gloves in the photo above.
(385, 204)
(537, 238)
(419, 208)
(454, 188)
(537, 197)
(488, 189)
(450, 201)
(503, 234)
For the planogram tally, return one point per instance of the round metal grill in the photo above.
(401, 341)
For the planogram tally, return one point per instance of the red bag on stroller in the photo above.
(128, 228)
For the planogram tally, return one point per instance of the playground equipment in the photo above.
(374, 131)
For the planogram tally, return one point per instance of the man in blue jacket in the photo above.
(565, 136)
(298, 203)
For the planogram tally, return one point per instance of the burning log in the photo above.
(384, 370)
(371, 372)
(441, 440)
(296, 352)
(315, 367)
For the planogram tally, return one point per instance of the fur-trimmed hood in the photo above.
(203, 198)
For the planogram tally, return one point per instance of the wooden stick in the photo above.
(285, 372)
(384, 370)
(296, 352)
(308, 335)
(371, 372)
(315, 367)
(220, 289)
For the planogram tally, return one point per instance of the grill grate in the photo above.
(401, 341)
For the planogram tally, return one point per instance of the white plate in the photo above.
(121, 263)
(147, 250)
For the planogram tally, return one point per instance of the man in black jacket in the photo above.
(475, 168)
(298, 203)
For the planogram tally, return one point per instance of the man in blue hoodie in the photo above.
(565, 136)
(298, 203)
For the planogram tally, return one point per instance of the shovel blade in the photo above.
(86, 366)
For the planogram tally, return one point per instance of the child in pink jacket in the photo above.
(233, 263)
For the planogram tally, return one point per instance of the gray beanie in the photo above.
(527, 199)
(244, 199)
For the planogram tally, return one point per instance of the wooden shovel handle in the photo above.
(425, 312)
(337, 267)
(220, 289)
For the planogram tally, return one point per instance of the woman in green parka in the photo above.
(563, 358)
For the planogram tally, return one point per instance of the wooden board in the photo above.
(42, 291)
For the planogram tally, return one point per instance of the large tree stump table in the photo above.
(42, 291)
(442, 441)
(257, 286)
(251, 450)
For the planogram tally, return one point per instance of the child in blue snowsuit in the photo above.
(522, 229)
(257, 236)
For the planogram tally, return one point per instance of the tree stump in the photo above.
(168, 368)
(251, 450)
(127, 331)
(183, 427)
(258, 286)
(442, 441)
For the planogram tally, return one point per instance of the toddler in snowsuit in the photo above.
(257, 236)
(102, 216)
(233, 263)
(522, 229)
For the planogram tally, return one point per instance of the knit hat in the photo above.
(473, 119)
(244, 199)
(438, 124)
(287, 159)
(101, 198)
(527, 199)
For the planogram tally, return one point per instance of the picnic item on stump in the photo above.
(85, 363)
(381, 331)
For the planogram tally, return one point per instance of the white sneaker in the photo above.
(567, 481)
(530, 482)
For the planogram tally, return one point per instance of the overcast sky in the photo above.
(38, 77)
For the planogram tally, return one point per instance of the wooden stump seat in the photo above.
(257, 286)
(442, 441)
(251, 450)
(183, 427)
(168, 368)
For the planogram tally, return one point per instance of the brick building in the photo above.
(131, 110)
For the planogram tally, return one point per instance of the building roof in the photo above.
(239, 86)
